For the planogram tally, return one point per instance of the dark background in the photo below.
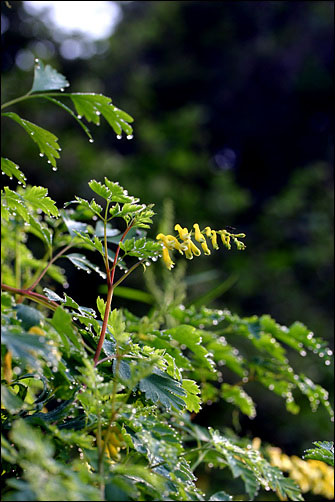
(233, 124)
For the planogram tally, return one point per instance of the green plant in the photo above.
(97, 402)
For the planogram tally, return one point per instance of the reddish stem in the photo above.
(110, 281)
(30, 294)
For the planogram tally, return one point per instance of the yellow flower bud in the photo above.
(7, 369)
(197, 234)
(35, 330)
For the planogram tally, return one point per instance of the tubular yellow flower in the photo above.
(167, 260)
(197, 234)
(193, 248)
(225, 237)
(169, 241)
(212, 234)
(183, 232)
(184, 244)
(205, 248)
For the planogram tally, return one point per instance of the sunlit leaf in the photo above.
(45, 140)
(11, 169)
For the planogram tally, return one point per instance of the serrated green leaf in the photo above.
(92, 206)
(11, 203)
(37, 198)
(91, 242)
(11, 169)
(324, 451)
(234, 394)
(47, 78)
(191, 338)
(160, 388)
(110, 191)
(45, 140)
(192, 399)
(142, 248)
(92, 106)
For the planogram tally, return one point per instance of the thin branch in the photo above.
(58, 255)
(109, 299)
(36, 297)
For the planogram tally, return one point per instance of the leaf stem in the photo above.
(58, 255)
(31, 96)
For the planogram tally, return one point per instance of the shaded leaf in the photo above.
(47, 78)
(81, 262)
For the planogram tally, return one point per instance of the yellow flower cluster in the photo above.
(184, 244)
(311, 475)
(114, 443)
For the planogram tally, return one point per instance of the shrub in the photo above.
(98, 403)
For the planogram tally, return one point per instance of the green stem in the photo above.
(32, 96)
(127, 273)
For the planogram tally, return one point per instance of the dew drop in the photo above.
(41, 154)
(62, 89)
(98, 113)
(130, 136)
(37, 60)
(49, 161)
(327, 362)
(54, 168)
(32, 133)
(3, 172)
(119, 136)
(10, 177)
(91, 140)
(79, 116)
